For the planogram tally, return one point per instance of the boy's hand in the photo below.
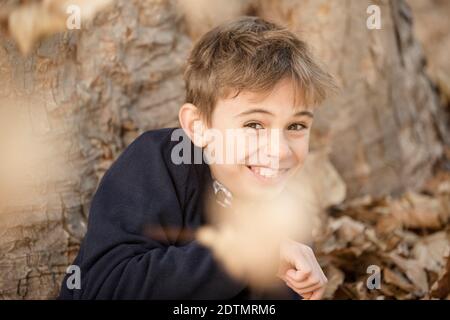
(301, 271)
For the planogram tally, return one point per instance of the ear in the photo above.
(193, 124)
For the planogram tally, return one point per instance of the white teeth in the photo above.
(266, 172)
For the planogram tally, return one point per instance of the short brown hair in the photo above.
(251, 54)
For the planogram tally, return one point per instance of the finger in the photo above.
(306, 296)
(305, 287)
(320, 272)
(313, 261)
(317, 270)
(324, 277)
(306, 293)
(310, 281)
(290, 286)
(299, 275)
(317, 295)
(309, 290)
(295, 257)
(302, 265)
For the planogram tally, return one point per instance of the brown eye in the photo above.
(254, 125)
(297, 127)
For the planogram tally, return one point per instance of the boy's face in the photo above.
(272, 136)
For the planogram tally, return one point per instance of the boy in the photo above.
(248, 75)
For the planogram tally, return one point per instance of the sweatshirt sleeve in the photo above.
(118, 260)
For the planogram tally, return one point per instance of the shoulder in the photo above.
(159, 142)
(148, 147)
(149, 142)
(143, 157)
(149, 160)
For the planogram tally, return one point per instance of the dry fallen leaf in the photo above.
(31, 22)
(408, 238)
(397, 279)
(335, 278)
(431, 250)
(416, 211)
(441, 288)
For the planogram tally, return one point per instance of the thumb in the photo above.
(292, 273)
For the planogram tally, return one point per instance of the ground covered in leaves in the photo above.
(406, 238)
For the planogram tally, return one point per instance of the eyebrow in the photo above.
(251, 111)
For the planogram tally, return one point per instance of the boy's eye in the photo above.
(297, 127)
(254, 125)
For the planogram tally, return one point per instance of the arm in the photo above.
(117, 259)
(187, 272)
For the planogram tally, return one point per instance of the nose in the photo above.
(277, 148)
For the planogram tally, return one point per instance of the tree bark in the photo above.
(384, 128)
(86, 95)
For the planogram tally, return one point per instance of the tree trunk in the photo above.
(81, 96)
(85, 95)
(385, 128)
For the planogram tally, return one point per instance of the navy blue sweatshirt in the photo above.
(142, 195)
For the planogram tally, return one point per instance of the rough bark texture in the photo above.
(382, 126)
(88, 93)
(435, 37)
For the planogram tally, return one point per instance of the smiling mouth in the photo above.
(266, 173)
